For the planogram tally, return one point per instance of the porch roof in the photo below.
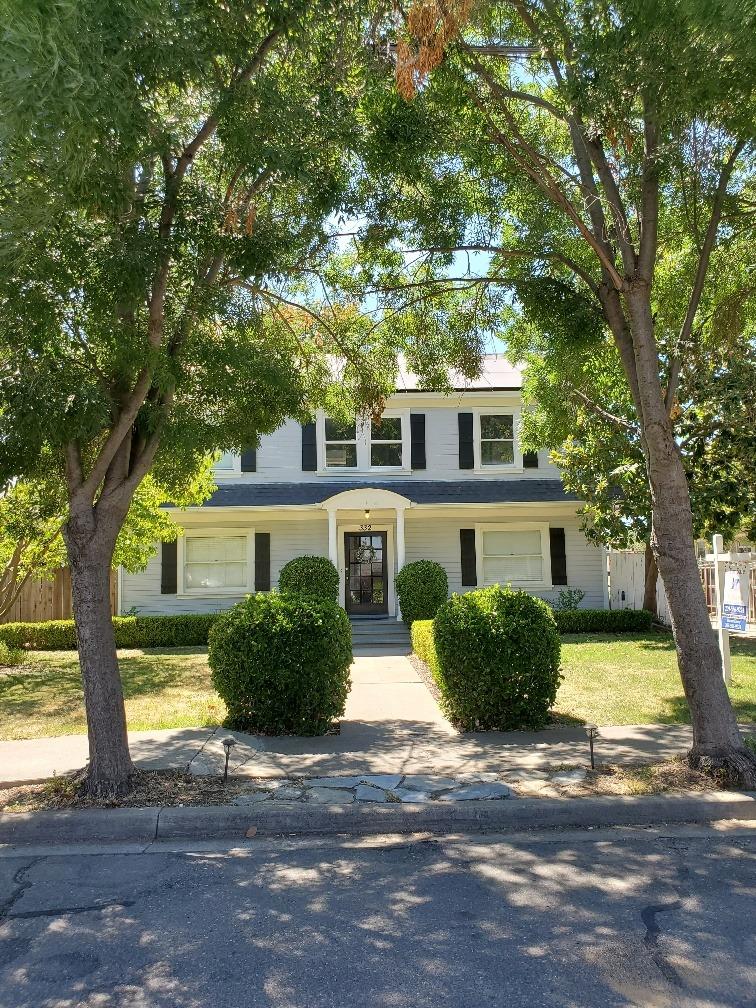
(511, 491)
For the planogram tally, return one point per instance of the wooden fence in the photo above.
(50, 600)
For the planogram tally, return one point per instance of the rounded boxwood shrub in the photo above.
(310, 575)
(281, 663)
(497, 659)
(422, 587)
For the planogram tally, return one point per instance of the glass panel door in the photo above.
(366, 573)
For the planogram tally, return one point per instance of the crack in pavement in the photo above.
(22, 884)
(65, 911)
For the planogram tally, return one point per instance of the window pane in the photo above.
(504, 569)
(344, 455)
(335, 430)
(508, 543)
(205, 549)
(226, 461)
(386, 454)
(216, 575)
(389, 429)
(496, 452)
(494, 426)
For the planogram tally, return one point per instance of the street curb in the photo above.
(214, 822)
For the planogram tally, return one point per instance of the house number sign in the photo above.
(366, 528)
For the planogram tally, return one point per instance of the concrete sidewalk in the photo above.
(392, 725)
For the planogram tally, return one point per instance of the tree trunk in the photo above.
(650, 576)
(90, 554)
(717, 743)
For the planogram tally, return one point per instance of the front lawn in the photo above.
(633, 679)
(629, 679)
(167, 688)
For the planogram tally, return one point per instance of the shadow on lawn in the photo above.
(54, 689)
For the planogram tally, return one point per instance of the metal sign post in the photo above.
(723, 632)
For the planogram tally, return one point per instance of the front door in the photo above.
(366, 573)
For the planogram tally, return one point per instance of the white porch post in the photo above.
(333, 549)
(400, 551)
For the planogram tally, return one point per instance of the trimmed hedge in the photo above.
(185, 630)
(574, 621)
(310, 575)
(497, 654)
(422, 587)
(281, 663)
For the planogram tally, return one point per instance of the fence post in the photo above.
(723, 635)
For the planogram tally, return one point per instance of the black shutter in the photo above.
(467, 554)
(309, 448)
(530, 460)
(466, 453)
(558, 556)
(249, 460)
(417, 434)
(262, 561)
(169, 568)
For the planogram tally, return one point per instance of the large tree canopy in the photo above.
(592, 161)
(173, 178)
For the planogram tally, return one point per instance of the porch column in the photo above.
(400, 552)
(333, 549)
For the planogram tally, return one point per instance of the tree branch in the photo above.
(702, 269)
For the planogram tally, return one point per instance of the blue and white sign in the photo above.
(734, 602)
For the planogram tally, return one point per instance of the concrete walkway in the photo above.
(392, 725)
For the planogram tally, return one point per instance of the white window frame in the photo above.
(217, 533)
(545, 583)
(364, 446)
(322, 446)
(234, 470)
(514, 466)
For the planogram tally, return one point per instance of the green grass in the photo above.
(165, 688)
(629, 679)
(633, 679)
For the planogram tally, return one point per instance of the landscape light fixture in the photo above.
(228, 744)
(591, 730)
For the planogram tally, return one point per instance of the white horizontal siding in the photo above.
(279, 457)
(438, 540)
(288, 539)
(429, 536)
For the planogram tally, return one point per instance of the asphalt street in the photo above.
(589, 919)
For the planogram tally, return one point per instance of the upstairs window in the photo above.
(228, 462)
(497, 442)
(514, 556)
(340, 444)
(364, 445)
(386, 442)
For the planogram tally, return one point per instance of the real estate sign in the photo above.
(734, 602)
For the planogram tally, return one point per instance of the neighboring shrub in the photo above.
(185, 630)
(497, 659)
(310, 575)
(281, 663)
(568, 598)
(9, 656)
(421, 633)
(574, 621)
(422, 587)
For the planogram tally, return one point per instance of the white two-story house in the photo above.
(441, 477)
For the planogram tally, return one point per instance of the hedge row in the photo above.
(569, 621)
(186, 630)
(603, 620)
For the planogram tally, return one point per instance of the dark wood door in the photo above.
(366, 573)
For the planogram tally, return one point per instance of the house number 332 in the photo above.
(366, 528)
